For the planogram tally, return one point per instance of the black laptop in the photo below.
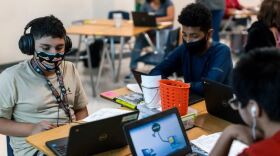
(159, 134)
(93, 137)
(216, 99)
(193, 97)
(143, 19)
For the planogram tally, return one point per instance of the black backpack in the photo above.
(95, 50)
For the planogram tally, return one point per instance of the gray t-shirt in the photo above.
(162, 11)
(213, 4)
(25, 97)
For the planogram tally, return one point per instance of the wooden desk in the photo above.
(238, 14)
(242, 13)
(106, 28)
(205, 124)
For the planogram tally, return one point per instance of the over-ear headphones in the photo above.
(254, 111)
(26, 42)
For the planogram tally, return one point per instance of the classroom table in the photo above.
(238, 14)
(106, 28)
(204, 124)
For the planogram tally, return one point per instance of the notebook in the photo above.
(93, 137)
(216, 100)
(153, 136)
(193, 97)
(143, 19)
(130, 100)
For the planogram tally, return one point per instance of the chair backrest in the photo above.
(125, 14)
(172, 40)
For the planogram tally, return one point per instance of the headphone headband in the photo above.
(27, 43)
(29, 24)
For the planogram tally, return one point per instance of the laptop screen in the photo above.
(161, 136)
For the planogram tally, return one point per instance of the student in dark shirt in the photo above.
(197, 57)
(265, 31)
(256, 85)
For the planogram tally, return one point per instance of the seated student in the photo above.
(43, 92)
(265, 31)
(164, 11)
(256, 84)
(197, 57)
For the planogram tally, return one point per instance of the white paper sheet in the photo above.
(208, 142)
(134, 87)
(104, 113)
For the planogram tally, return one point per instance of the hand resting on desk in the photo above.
(42, 126)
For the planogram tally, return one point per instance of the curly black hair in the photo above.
(196, 15)
(47, 26)
(256, 76)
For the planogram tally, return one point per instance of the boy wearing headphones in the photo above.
(43, 92)
(256, 84)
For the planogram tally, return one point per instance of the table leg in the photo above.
(158, 41)
(120, 59)
(150, 42)
(112, 48)
(90, 66)
(105, 54)
(77, 56)
(227, 24)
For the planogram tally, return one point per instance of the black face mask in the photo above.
(196, 47)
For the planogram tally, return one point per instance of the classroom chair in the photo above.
(155, 58)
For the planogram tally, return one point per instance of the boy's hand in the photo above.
(42, 126)
(242, 133)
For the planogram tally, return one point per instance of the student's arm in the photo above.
(170, 64)
(231, 133)
(8, 96)
(81, 113)
(80, 100)
(12, 128)
(219, 68)
(169, 15)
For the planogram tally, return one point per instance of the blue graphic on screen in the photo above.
(159, 137)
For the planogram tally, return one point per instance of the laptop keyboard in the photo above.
(194, 98)
(198, 151)
(61, 149)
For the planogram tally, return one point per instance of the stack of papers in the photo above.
(105, 113)
(208, 142)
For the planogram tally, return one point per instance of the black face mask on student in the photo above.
(196, 47)
(49, 61)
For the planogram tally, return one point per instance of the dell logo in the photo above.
(103, 137)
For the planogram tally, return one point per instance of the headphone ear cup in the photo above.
(68, 44)
(26, 44)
